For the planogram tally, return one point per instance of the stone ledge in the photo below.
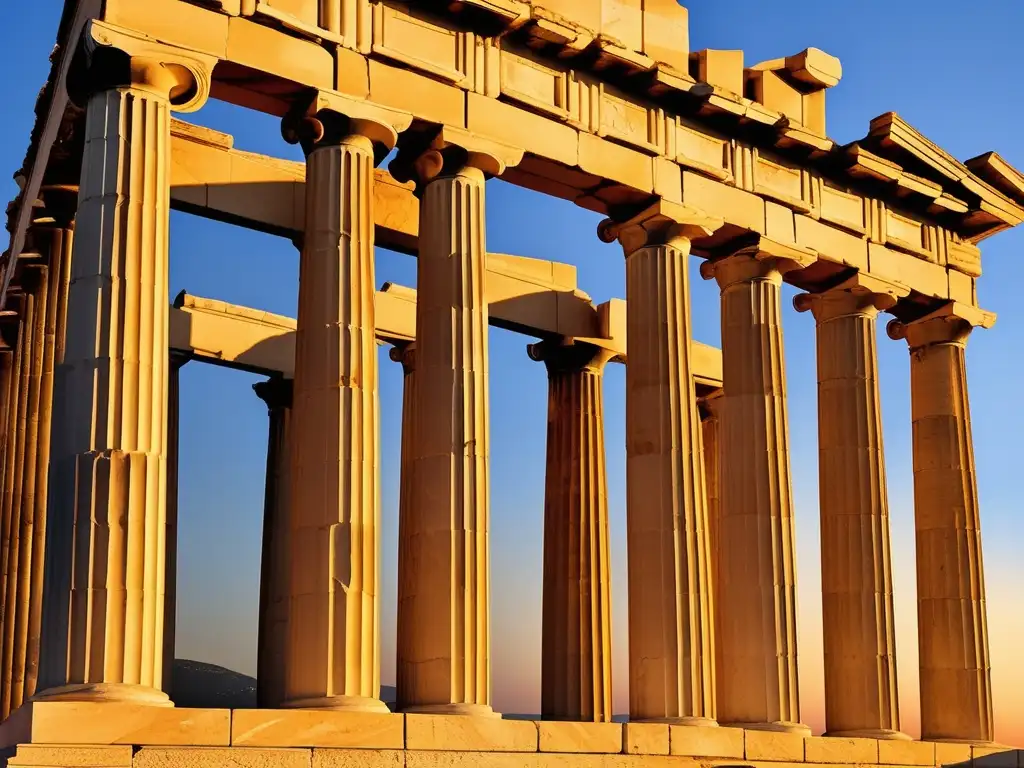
(56, 756)
(899, 752)
(772, 745)
(645, 738)
(357, 758)
(467, 733)
(213, 757)
(558, 736)
(316, 728)
(831, 749)
(700, 741)
(102, 723)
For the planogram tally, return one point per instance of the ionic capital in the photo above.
(570, 356)
(757, 258)
(423, 157)
(951, 323)
(276, 392)
(859, 294)
(122, 58)
(328, 118)
(406, 355)
(663, 223)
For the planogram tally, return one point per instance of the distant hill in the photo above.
(199, 684)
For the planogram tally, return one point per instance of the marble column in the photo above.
(757, 558)
(861, 697)
(405, 637)
(19, 564)
(671, 637)
(709, 408)
(103, 621)
(19, 341)
(176, 362)
(443, 601)
(333, 650)
(956, 676)
(576, 642)
(274, 564)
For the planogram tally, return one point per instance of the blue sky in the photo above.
(950, 69)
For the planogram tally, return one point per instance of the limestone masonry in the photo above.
(601, 102)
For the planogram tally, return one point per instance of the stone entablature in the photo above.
(632, 122)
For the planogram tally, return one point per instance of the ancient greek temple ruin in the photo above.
(684, 154)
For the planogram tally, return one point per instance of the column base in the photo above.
(778, 727)
(701, 722)
(126, 693)
(871, 733)
(470, 710)
(339, 704)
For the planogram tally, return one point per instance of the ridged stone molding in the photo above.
(333, 652)
(856, 572)
(103, 635)
(758, 684)
(956, 674)
(576, 664)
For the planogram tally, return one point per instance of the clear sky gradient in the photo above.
(951, 69)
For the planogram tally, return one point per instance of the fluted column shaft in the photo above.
(407, 570)
(333, 657)
(18, 588)
(861, 697)
(104, 618)
(15, 426)
(444, 603)
(272, 644)
(576, 665)
(671, 637)
(757, 568)
(710, 440)
(956, 676)
(177, 361)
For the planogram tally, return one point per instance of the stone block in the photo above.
(923, 276)
(832, 749)
(994, 757)
(471, 760)
(962, 288)
(462, 733)
(305, 11)
(424, 97)
(267, 50)
(622, 20)
(668, 180)
(199, 757)
(737, 207)
(89, 723)
(902, 752)
(616, 163)
(502, 122)
(770, 745)
(357, 758)
(37, 756)
(951, 754)
(646, 739)
(722, 69)
(315, 728)
(556, 736)
(780, 224)
(666, 27)
(173, 22)
(352, 75)
(831, 243)
(700, 741)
